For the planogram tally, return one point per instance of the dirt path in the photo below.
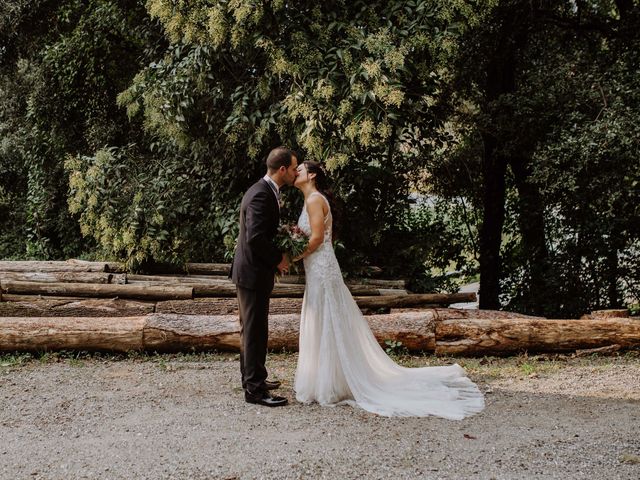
(182, 417)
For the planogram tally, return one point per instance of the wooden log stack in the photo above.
(85, 306)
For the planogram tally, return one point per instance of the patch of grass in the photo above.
(527, 368)
(14, 359)
(486, 368)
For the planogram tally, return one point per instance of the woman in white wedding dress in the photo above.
(340, 360)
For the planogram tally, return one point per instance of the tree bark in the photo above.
(229, 305)
(112, 267)
(72, 307)
(284, 280)
(414, 300)
(208, 268)
(170, 332)
(532, 229)
(68, 266)
(63, 277)
(228, 289)
(493, 169)
(611, 313)
(422, 331)
(500, 80)
(224, 306)
(184, 279)
(31, 334)
(101, 291)
(372, 282)
(509, 336)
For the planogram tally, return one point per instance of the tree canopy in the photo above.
(496, 138)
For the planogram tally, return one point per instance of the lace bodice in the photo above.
(305, 226)
(322, 263)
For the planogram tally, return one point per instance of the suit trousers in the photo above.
(254, 333)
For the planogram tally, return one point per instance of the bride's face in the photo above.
(303, 176)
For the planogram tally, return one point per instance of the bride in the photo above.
(340, 360)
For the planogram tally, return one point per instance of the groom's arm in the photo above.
(257, 228)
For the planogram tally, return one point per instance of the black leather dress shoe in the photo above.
(272, 385)
(266, 399)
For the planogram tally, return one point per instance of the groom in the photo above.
(255, 262)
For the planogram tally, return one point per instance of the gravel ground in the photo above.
(183, 417)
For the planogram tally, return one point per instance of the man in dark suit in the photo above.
(255, 262)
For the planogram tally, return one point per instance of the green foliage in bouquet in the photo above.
(291, 240)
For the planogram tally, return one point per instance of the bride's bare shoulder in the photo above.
(315, 202)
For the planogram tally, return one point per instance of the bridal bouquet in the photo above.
(291, 240)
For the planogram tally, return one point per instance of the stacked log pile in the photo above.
(98, 306)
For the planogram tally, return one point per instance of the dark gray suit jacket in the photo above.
(256, 257)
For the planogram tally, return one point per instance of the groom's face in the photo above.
(291, 172)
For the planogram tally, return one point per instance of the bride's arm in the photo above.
(315, 209)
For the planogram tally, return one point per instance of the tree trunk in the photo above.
(112, 267)
(228, 289)
(284, 280)
(69, 266)
(101, 291)
(372, 282)
(224, 306)
(424, 331)
(493, 169)
(31, 334)
(63, 277)
(509, 336)
(26, 306)
(500, 80)
(611, 313)
(532, 228)
(414, 300)
(169, 332)
(227, 306)
(169, 279)
(208, 268)
(613, 275)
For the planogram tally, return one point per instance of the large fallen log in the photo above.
(32, 334)
(372, 282)
(610, 313)
(181, 279)
(170, 332)
(224, 269)
(224, 306)
(63, 277)
(113, 267)
(285, 280)
(282, 305)
(208, 268)
(419, 331)
(415, 300)
(30, 306)
(99, 291)
(508, 336)
(225, 288)
(51, 266)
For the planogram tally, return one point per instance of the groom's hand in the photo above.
(283, 266)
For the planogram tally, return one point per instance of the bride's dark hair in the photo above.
(322, 184)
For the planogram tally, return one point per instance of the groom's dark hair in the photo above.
(279, 157)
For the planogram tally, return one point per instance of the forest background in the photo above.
(493, 139)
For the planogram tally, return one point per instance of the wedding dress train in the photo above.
(340, 361)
